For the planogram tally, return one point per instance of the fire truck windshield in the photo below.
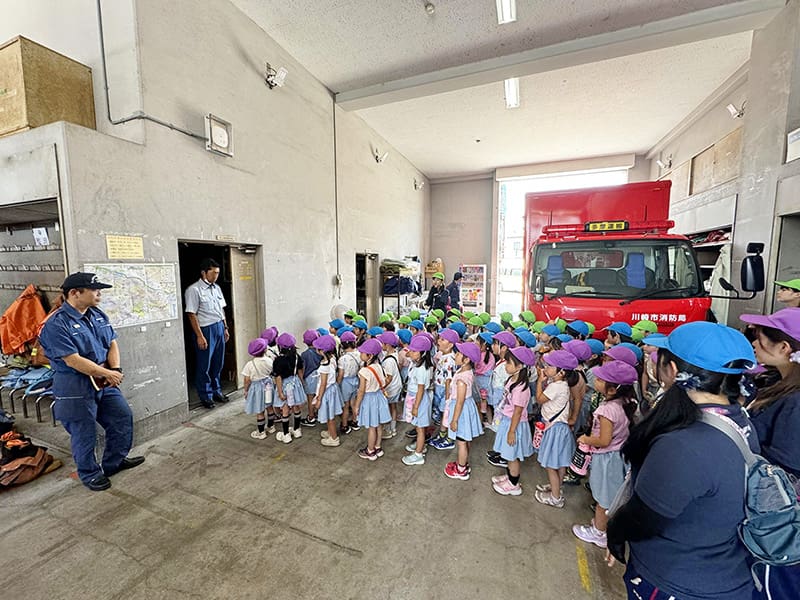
(604, 268)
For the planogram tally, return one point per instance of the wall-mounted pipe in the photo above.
(138, 115)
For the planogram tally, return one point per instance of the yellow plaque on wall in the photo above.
(124, 246)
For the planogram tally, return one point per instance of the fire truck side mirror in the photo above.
(753, 273)
(538, 288)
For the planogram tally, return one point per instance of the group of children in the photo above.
(545, 389)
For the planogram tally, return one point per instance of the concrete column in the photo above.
(773, 86)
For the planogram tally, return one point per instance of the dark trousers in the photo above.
(80, 418)
(209, 361)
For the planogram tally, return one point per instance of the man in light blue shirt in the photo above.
(205, 308)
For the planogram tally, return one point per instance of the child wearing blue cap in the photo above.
(617, 333)
(417, 407)
(483, 375)
(682, 524)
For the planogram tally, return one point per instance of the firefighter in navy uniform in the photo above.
(82, 348)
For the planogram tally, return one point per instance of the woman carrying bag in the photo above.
(681, 522)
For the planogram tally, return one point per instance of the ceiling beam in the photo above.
(743, 15)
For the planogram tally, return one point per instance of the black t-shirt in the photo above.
(286, 365)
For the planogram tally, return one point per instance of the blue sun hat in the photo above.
(527, 338)
(635, 349)
(597, 346)
(459, 328)
(486, 337)
(404, 335)
(709, 346)
(375, 331)
(417, 324)
(322, 331)
(493, 327)
(361, 324)
(565, 337)
(342, 330)
(551, 330)
(336, 323)
(578, 327)
(621, 328)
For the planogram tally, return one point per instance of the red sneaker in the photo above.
(453, 471)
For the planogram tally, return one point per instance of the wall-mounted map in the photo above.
(142, 293)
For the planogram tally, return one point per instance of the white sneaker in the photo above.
(329, 441)
(590, 534)
(499, 479)
(543, 487)
(286, 439)
(413, 448)
(271, 429)
(297, 433)
(548, 499)
(414, 459)
(388, 434)
(258, 435)
(324, 434)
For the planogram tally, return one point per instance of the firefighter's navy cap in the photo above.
(83, 280)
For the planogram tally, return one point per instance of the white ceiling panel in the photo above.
(609, 107)
(349, 44)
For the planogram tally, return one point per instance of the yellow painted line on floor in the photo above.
(280, 456)
(583, 568)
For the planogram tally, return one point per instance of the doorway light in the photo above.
(506, 11)
(512, 92)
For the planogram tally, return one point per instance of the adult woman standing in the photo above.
(688, 495)
(776, 418)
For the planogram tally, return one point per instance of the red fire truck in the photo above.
(606, 254)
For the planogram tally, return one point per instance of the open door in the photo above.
(246, 305)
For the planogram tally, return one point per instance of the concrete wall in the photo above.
(278, 192)
(462, 224)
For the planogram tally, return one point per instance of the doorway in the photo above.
(788, 253)
(190, 255)
(367, 285)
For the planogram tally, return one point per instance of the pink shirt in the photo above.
(466, 377)
(519, 396)
(482, 368)
(613, 411)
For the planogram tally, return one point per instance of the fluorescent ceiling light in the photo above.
(512, 92)
(506, 11)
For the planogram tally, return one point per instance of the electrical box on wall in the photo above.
(219, 136)
(793, 145)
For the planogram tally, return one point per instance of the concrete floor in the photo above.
(215, 514)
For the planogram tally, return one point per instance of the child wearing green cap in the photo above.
(788, 293)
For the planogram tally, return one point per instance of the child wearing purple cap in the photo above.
(444, 363)
(610, 429)
(417, 407)
(461, 411)
(558, 443)
(327, 396)
(287, 369)
(349, 363)
(394, 382)
(370, 404)
(311, 360)
(775, 415)
(258, 387)
(512, 443)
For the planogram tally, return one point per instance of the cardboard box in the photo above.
(39, 86)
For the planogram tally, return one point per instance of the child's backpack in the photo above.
(771, 528)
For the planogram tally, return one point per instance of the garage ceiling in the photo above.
(589, 108)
